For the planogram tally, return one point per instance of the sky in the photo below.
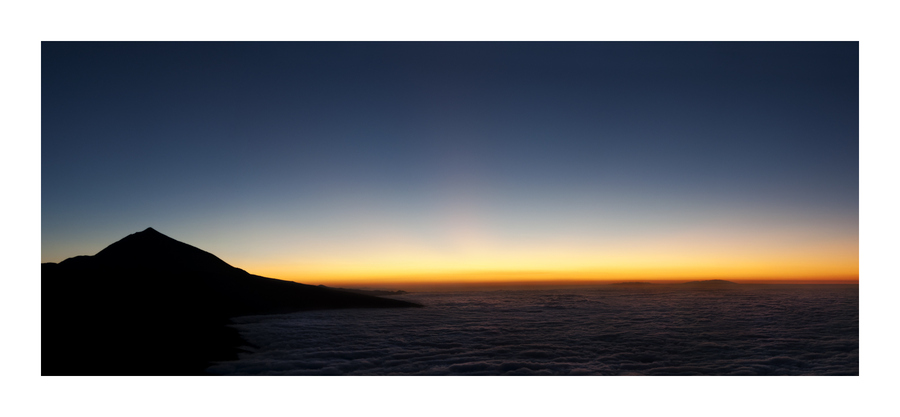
(364, 163)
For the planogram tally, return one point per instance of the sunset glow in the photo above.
(450, 208)
(375, 164)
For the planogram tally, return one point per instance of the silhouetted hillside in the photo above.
(151, 305)
(152, 250)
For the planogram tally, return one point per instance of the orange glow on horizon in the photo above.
(739, 274)
(788, 250)
(826, 262)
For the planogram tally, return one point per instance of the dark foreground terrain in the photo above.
(151, 305)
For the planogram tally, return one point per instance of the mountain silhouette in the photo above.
(151, 305)
(153, 250)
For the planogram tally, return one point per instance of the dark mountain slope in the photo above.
(151, 305)
(153, 250)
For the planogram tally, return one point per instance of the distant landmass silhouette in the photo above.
(151, 305)
(710, 282)
(372, 292)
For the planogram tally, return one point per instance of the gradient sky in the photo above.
(390, 162)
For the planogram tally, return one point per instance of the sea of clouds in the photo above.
(608, 330)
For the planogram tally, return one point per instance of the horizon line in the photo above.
(399, 285)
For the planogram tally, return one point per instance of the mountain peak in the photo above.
(152, 250)
(151, 305)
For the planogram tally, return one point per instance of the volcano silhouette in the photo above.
(155, 251)
(151, 305)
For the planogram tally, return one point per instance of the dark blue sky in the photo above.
(264, 152)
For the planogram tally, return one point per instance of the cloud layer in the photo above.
(663, 330)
